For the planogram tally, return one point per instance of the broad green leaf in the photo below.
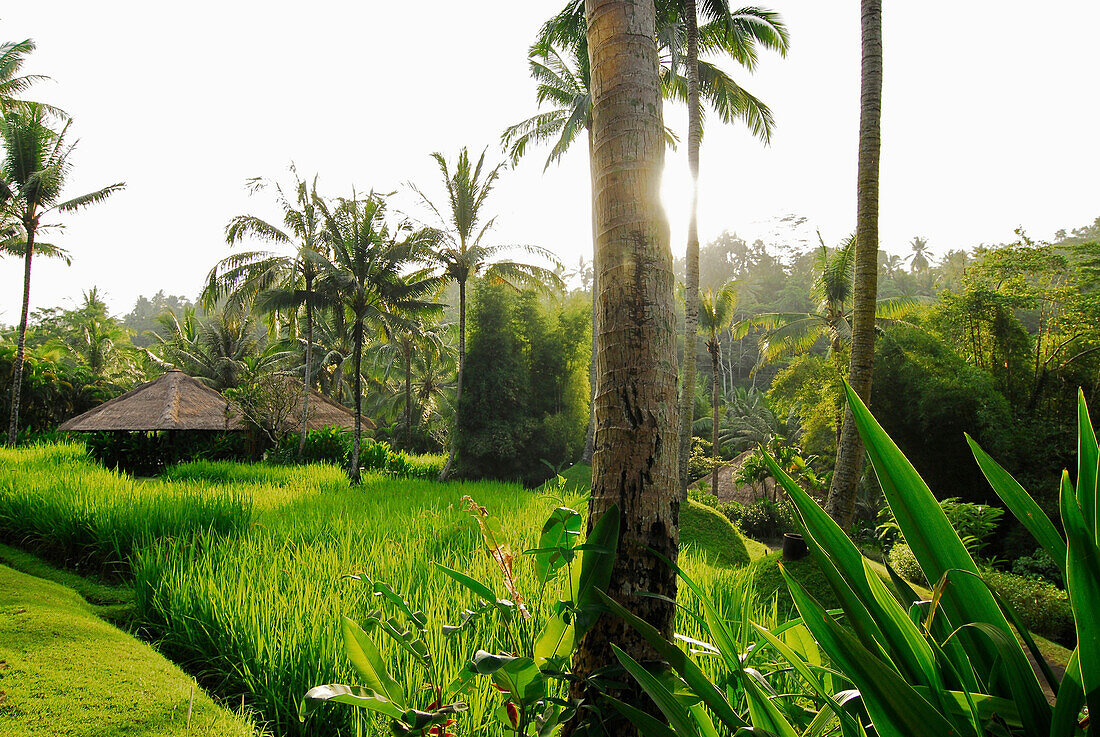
(1088, 463)
(595, 569)
(987, 706)
(803, 669)
(556, 639)
(1071, 697)
(1083, 586)
(682, 664)
(763, 712)
(559, 536)
(368, 664)
(679, 718)
(648, 725)
(938, 549)
(338, 693)
(479, 589)
(894, 706)
(1021, 504)
(832, 550)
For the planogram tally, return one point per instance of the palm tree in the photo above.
(13, 55)
(460, 252)
(275, 282)
(635, 471)
(716, 313)
(363, 276)
(215, 348)
(787, 334)
(919, 257)
(737, 34)
(841, 501)
(32, 176)
(403, 348)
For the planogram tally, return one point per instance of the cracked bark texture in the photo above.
(636, 450)
(841, 502)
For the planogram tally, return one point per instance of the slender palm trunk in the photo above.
(20, 350)
(849, 452)
(636, 456)
(590, 435)
(408, 401)
(446, 472)
(714, 394)
(353, 472)
(309, 365)
(691, 276)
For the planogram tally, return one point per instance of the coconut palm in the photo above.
(918, 258)
(363, 275)
(786, 334)
(401, 351)
(635, 472)
(737, 34)
(275, 282)
(460, 252)
(214, 348)
(32, 176)
(716, 312)
(841, 501)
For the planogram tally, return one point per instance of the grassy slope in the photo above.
(64, 671)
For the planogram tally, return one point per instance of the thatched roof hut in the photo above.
(175, 401)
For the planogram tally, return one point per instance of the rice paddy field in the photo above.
(239, 572)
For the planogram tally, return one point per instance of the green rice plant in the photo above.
(58, 503)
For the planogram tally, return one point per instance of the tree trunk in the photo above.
(590, 435)
(353, 472)
(691, 277)
(309, 364)
(408, 401)
(20, 350)
(849, 453)
(636, 456)
(446, 472)
(715, 456)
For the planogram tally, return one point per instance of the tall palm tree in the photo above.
(275, 282)
(736, 34)
(363, 275)
(635, 463)
(716, 313)
(35, 165)
(402, 350)
(918, 258)
(841, 501)
(461, 253)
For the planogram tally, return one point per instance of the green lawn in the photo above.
(65, 671)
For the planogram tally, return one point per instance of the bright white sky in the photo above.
(989, 123)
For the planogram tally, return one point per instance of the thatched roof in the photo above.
(323, 412)
(175, 401)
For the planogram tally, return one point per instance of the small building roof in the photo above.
(175, 401)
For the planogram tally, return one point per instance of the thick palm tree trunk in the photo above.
(21, 345)
(691, 276)
(309, 365)
(714, 394)
(636, 455)
(446, 472)
(353, 472)
(590, 435)
(849, 452)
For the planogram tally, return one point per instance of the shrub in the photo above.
(713, 534)
(700, 462)
(327, 445)
(763, 519)
(905, 564)
(703, 496)
(1043, 607)
(149, 453)
(1039, 565)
